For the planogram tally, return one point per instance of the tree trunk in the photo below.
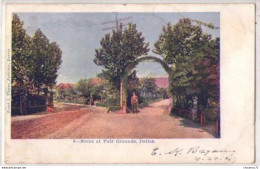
(91, 100)
(39, 91)
(121, 94)
(23, 110)
(50, 99)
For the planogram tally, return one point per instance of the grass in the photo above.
(66, 101)
(113, 108)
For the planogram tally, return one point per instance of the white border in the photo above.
(257, 60)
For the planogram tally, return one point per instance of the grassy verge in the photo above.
(66, 101)
(112, 108)
(117, 107)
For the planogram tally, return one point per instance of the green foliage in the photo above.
(34, 60)
(72, 92)
(61, 93)
(194, 57)
(148, 85)
(47, 60)
(40, 54)
(112, 102)
(109, 106)
(21, 52)
(162, 92)
(181, 39)
(71, 95)
(89, 90)
(53, 62)
(101, 76)
(106, 95)
(84, 86)
(86, 90)
(118, 50)
(212, 111)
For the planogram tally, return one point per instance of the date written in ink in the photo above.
(198, 153)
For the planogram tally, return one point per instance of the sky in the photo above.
(79, 34)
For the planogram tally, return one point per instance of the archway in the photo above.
(129, 69)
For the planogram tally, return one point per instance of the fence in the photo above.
(197, 117)
(27, 103)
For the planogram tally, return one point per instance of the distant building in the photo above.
(97, 81)
(161, 82)
(65, 85)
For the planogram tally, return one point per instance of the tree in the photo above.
(35, 62)
(194, 57)
(84, 86)
(181, 39)
(208, 81)
(118, 50)
(21, 52)
(162, 92)
(47, 61)
(53, 62)
(101, 76)
(40, 49)
(91, 90)
(21, 63)
(148, 85)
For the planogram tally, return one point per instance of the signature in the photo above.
(198, 152)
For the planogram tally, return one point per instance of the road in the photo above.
(92, 122)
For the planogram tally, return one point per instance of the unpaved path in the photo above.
(92, 122)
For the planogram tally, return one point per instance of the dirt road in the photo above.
(92, 122)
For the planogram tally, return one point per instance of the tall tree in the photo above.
(40, 44)
(84, 86)
(21, 63)
(21, 52)
(52, 64)
(118, 50)
(194, 56)
(47, 60)
(35, 61)
(180, 40)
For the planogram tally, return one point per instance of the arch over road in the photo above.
(130, 67)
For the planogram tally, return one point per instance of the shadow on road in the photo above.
(190, 124)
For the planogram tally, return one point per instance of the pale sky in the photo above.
(79, 34)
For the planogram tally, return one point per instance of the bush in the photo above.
(111, 103)
(212, 112)
(35, 103)
(111, 108)
(142, 105)
(36, 100)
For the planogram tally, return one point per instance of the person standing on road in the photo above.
(134, 102)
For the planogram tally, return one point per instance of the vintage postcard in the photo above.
(129, 83)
